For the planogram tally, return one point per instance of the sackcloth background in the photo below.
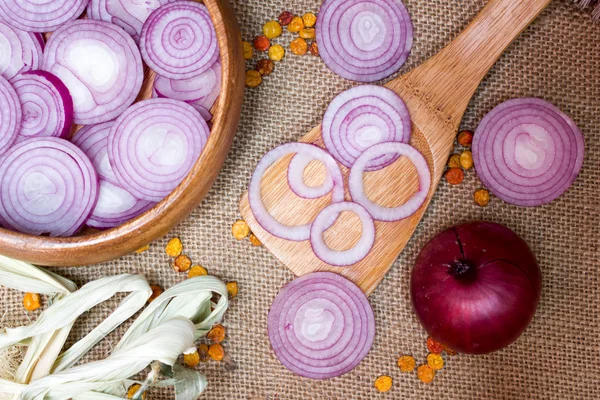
(557, 58)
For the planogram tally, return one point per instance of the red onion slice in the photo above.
(93, 141)
(49, 186)
(128, 14)
(179, 41)
(347, 257)
(360, 117)
(40, 15)
(527, 151)
(115, 205)
(364, 40)
(10, 115)
(46, 103)
(101, 66)
(380, 213)
(321, 325)
(204, 113)
(296, 169)
(263, 217)
(154, 145)
(194, 89)
(19, 51)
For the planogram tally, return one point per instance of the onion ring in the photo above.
(40, 15)
(19, 51)
(10, 115)
(93, 141)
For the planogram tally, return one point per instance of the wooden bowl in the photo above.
(94, 246)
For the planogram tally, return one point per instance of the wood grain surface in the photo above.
(437, 94)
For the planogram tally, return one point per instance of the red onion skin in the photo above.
(490, 304)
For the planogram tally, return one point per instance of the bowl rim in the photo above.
(100, 246)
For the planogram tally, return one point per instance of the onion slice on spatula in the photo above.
(527, 151)
(20, 51)
(263, 217)
(49, 186)
(46, 103)
(380, 213)
(364, 40)
(296, 169)
(324, 221)
(321, 325)
(179, 41)
(10, 115)
(101, 66)
(360, 117)
(40, 15)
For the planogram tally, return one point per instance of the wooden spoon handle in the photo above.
(449, 79)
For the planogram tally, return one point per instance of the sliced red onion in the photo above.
(153, 146)
(40, 15)
(191, 90)
(115, 206)
(46, 103)
(527, 151)
(19, 51)
(321, 325)
(101, 66)
(179, 41)
(364, 40)
(10, 115)
(296, 179)
(128, 14)
(346, 257)
(263, 217)
(49, 186)
(360, 117)
(204, 113)
(380, 213)
(93, 141)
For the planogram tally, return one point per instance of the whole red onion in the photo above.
(475, 287)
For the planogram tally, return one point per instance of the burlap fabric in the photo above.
(558, 357)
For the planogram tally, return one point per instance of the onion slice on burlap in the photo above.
(345, 257)
(263, 217)
(10, 115)
(179, 41)
(93, 141)
(128, 14)
(49, 186)
(46, 103)
(360, 117)
(154, 145)
(20, 51)
(115, 205)
(40, 15)
(380, 213)
(364, 40)
(527, 151)
(101, 66)
(321, 325)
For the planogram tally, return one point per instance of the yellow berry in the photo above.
(197, 270)
(406, 363)
(216, 352)
(309, 20)
(272, 29)
(192, 358)
(296, 25)
(182, 263)
(454, 161)
(32, 301)
(240, 229)
(156, 291)
(232, 289)
(307, 33)
(481, 197)
(383, 383)
(133, 390)
(276, 52)
(248, 50)
(435, 361)
(299, 46)
(174, 247)
(254, 240)
(253, 78)
(143, 249)
(466, 159)
(425, 373)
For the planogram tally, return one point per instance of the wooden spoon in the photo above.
(437, 94)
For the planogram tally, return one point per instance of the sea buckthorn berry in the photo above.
(254, 240)
(262, 43)
(248, 50)
(309, 20)
(217, 333)
(454, 176)
(265, 66)
(314, 48)
(156, 291)
(216, 352)
(191, 358)
(481, 197)
(383, 383)
(276, 52)
(182, 263)
(449, 351)
(435, 361)
(307, 33)
(232, 289)
(465, 138)
(203, 352)
(299, 46)
(143, 249)
(174, 247)
(466, 159)
(434, 347)
(425, 373)
(240, 229)
(285, 18)
(454, 161)
(253, 78)
(133, 390)
(406, 363)
(272, 29)
(197, 270)
(32, 301)
(296, 25)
